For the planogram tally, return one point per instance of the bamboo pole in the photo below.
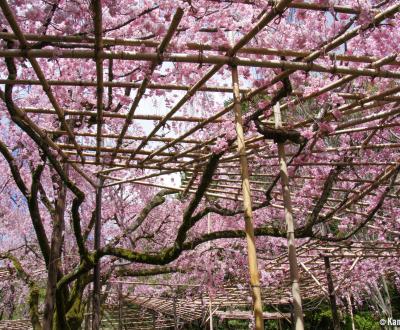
(152, 165)
(316, 6)
(96, 323)
(127, 137)
(175, 317)
(216, 60)
(362, 129)
(209, 296)
(120, 84)
(103, 162)
(153, 314)
(120, 150)
(98, 52)
(358, 96)
(120, 322)
(177, 189)
(109, 114)
(248, 213)
(332, 296)
(303, 177)
(294, 273)
(350, 306)
(98, 57)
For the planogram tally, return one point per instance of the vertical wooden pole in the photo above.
(279, 324)
(88, 309)
(175, 318)
(211, 313)
(96, 7)
(209, 296)
(332, 297)
(248, 212)
(353, 327)
(294, 272)
(120, 306)
(292, 319)
(96, 271)
(154, 320)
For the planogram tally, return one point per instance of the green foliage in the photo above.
(362, 321)
(319, 319)
(232, 325)
(322, 319)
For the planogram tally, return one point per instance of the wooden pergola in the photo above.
(102, 159)
(195, 303)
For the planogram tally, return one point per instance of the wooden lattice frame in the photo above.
(159, 161)
(162, 312)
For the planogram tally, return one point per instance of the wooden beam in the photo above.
(243, 315)
(294, 273)
(247, 206)
(332, 296)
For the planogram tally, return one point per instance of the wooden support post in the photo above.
(88, 309)
(247, 205)
(211, 312)
(120, 306)
(96, 271)
(209, 296)
(294, 272)
(175, 318)
(292, 319)
(350, 306)
(154, 319)
(332, 297)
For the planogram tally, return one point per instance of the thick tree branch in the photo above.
(14, 169)
(90, 226)
(188, 220)
(35, 215)
(157, 200)
(327, 190)
(125, 272)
